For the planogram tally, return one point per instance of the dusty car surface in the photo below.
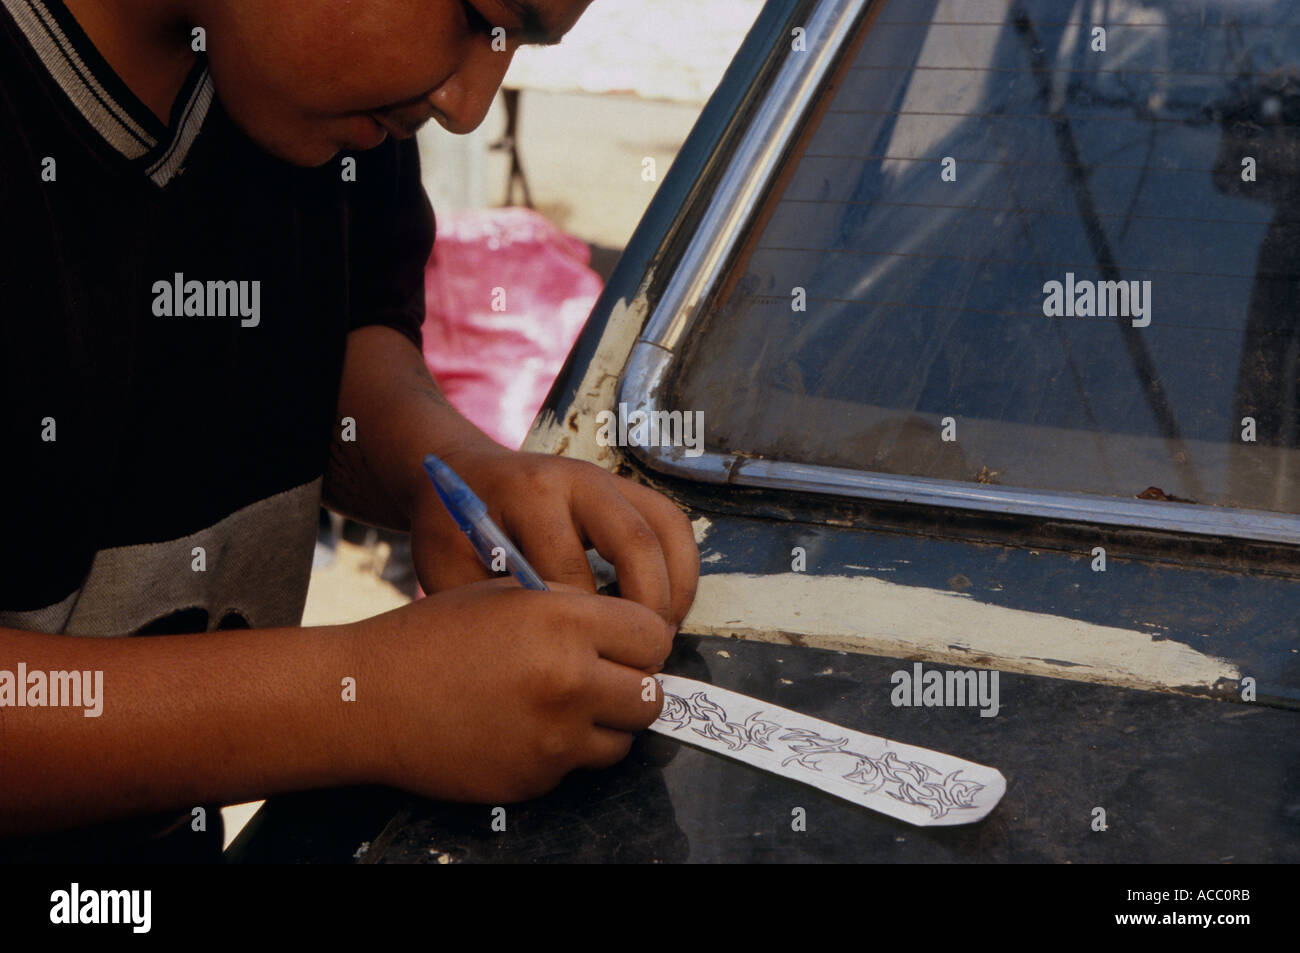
(969, 335)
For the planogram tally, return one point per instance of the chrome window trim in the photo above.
(740, 192)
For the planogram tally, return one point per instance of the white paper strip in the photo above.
(916, 785)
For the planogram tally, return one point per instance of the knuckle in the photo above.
(641, 535)
(563, 684)
(664, 642)
(651, 636)
(535, 477)
(573, 567)
(554, 746)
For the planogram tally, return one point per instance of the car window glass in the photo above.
(1037, 244)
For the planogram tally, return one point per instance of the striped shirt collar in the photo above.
(96, 91)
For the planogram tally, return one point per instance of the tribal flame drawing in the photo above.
(910, 782)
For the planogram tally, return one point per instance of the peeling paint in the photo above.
(576, 436)
(877, 617)
(702, 527)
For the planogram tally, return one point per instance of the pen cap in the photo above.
(459, 499)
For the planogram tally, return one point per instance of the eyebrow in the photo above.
(534, 29)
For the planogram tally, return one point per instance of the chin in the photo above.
(304, 154)
(313, 159)
(293, 144)
(312, 152)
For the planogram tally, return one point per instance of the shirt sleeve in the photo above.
(391, 229)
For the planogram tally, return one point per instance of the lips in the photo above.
(364, 133)
(395, 127)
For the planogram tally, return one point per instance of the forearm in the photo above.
(185, 720)
(400, 415)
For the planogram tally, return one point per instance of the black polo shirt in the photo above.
(174, 304)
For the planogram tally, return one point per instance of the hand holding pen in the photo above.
(471, 515)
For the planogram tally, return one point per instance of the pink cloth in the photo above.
(506, 294)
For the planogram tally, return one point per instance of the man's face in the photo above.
(307, 79)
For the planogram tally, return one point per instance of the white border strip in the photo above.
(196, 111)
(65, 65)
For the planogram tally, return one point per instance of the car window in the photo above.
(1032, 244)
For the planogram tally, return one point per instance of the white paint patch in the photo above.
(876, 617)
(701, 526)
(595, 393)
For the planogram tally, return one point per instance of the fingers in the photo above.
(626, 699)
(627, 702)
(443, 555)
(622, 535)
(677, 540)
(566, 507)
(606, 748)
(626, 633)
(552, 547)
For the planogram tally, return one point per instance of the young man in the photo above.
(212, 279)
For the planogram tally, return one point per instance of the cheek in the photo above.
(302, 46)
(328, 82)
(291, 75)
(274, 118)
(360, 57)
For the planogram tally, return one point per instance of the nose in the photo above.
(464, 98)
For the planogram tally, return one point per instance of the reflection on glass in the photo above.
(1071, 228)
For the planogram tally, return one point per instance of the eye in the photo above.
(475, 20)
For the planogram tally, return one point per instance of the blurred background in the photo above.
(540, 200)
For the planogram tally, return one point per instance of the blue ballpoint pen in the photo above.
(470, 514)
